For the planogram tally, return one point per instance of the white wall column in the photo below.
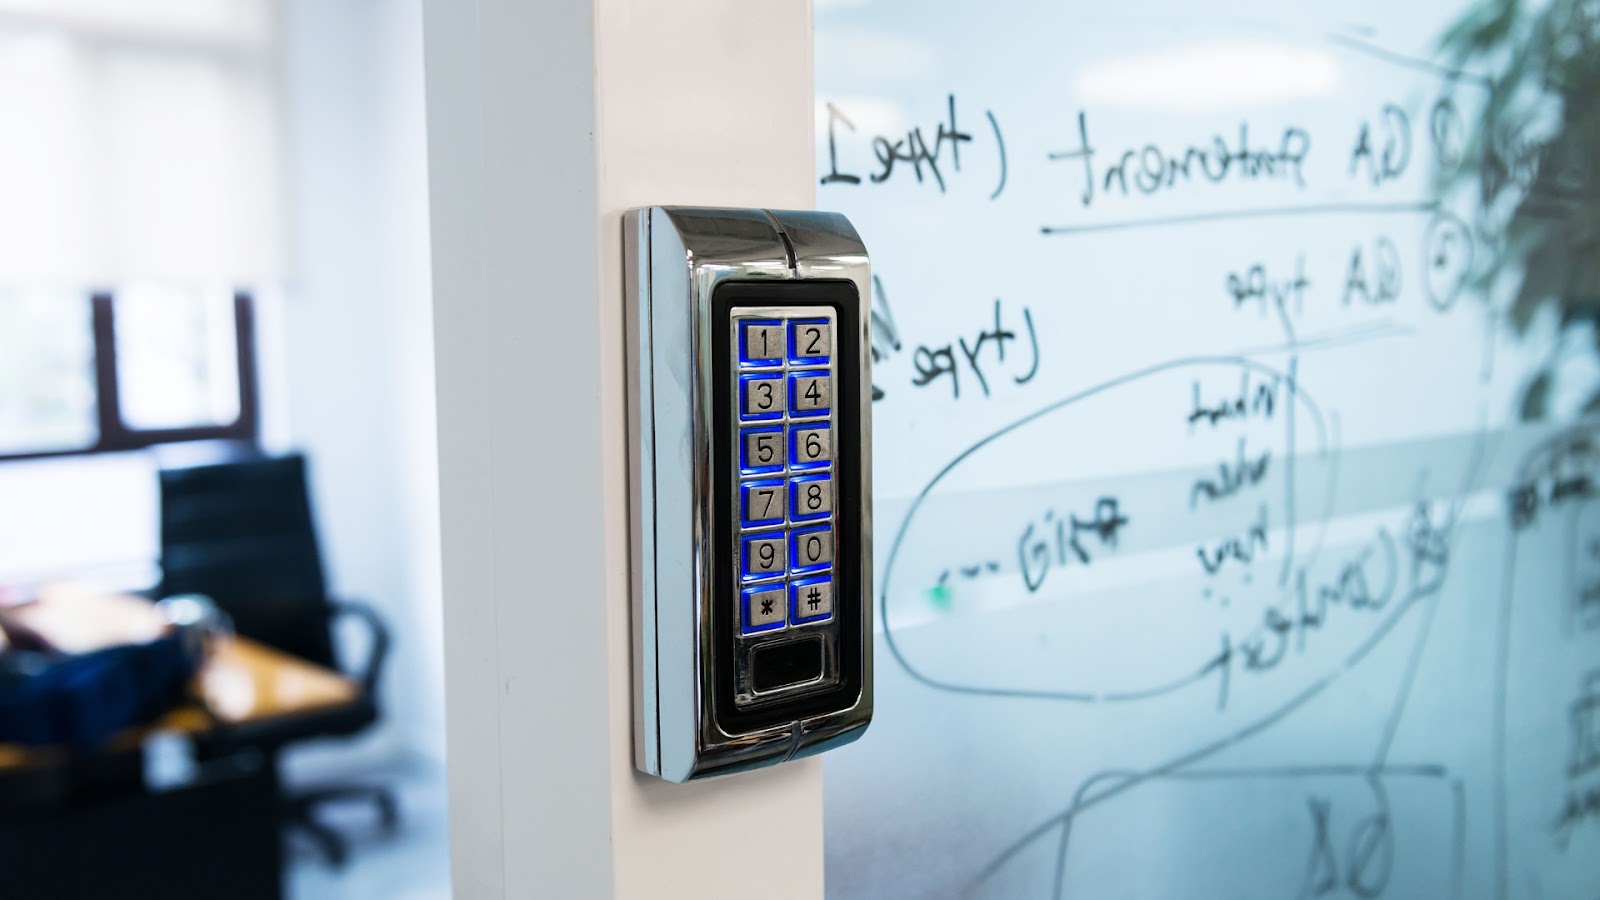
(545, 122)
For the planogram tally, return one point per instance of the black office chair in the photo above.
(242, 534)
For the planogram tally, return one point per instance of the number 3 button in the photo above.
(761, 397)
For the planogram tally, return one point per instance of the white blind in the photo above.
(141, 142)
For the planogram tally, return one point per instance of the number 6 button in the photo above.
(812, 447)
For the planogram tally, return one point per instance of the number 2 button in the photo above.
(809, 341)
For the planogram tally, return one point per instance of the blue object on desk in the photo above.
(81, 701)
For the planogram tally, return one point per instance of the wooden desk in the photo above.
(217, 836)
(243, 682)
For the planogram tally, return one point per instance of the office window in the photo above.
(47, 386)
(151, 365)
(142, 167)
(177, 358)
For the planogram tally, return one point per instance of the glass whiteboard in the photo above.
(1214, 557)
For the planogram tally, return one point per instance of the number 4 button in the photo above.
(810, 395)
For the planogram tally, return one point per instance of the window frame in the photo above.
(113, 435)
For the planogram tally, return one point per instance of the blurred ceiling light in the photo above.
(33, 48)
(1211, 77)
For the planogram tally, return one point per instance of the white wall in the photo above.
(356, 334)
(546, 121)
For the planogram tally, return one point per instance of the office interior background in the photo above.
(172, 154)
(215, 255)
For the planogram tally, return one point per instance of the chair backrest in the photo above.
(242, 534)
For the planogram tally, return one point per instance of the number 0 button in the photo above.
(813, 549)
(812, 394)
(761, 396)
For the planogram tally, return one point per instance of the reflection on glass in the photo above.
(46, 371)
(177, 359)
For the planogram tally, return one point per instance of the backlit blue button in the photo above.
(760, 450)
(810, 600)
(811, 549)
(760, 342)
(810, 497)
(761, 502)
(761, 397)
(810, 342)
(761, 608)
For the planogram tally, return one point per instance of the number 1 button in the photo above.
(762, 344)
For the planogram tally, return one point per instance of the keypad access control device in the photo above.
(750, 443)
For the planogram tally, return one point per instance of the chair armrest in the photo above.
(369, 673)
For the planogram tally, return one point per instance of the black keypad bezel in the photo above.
(843, 298)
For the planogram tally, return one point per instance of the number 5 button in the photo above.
(763, 450)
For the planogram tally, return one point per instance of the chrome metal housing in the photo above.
(675, 258)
